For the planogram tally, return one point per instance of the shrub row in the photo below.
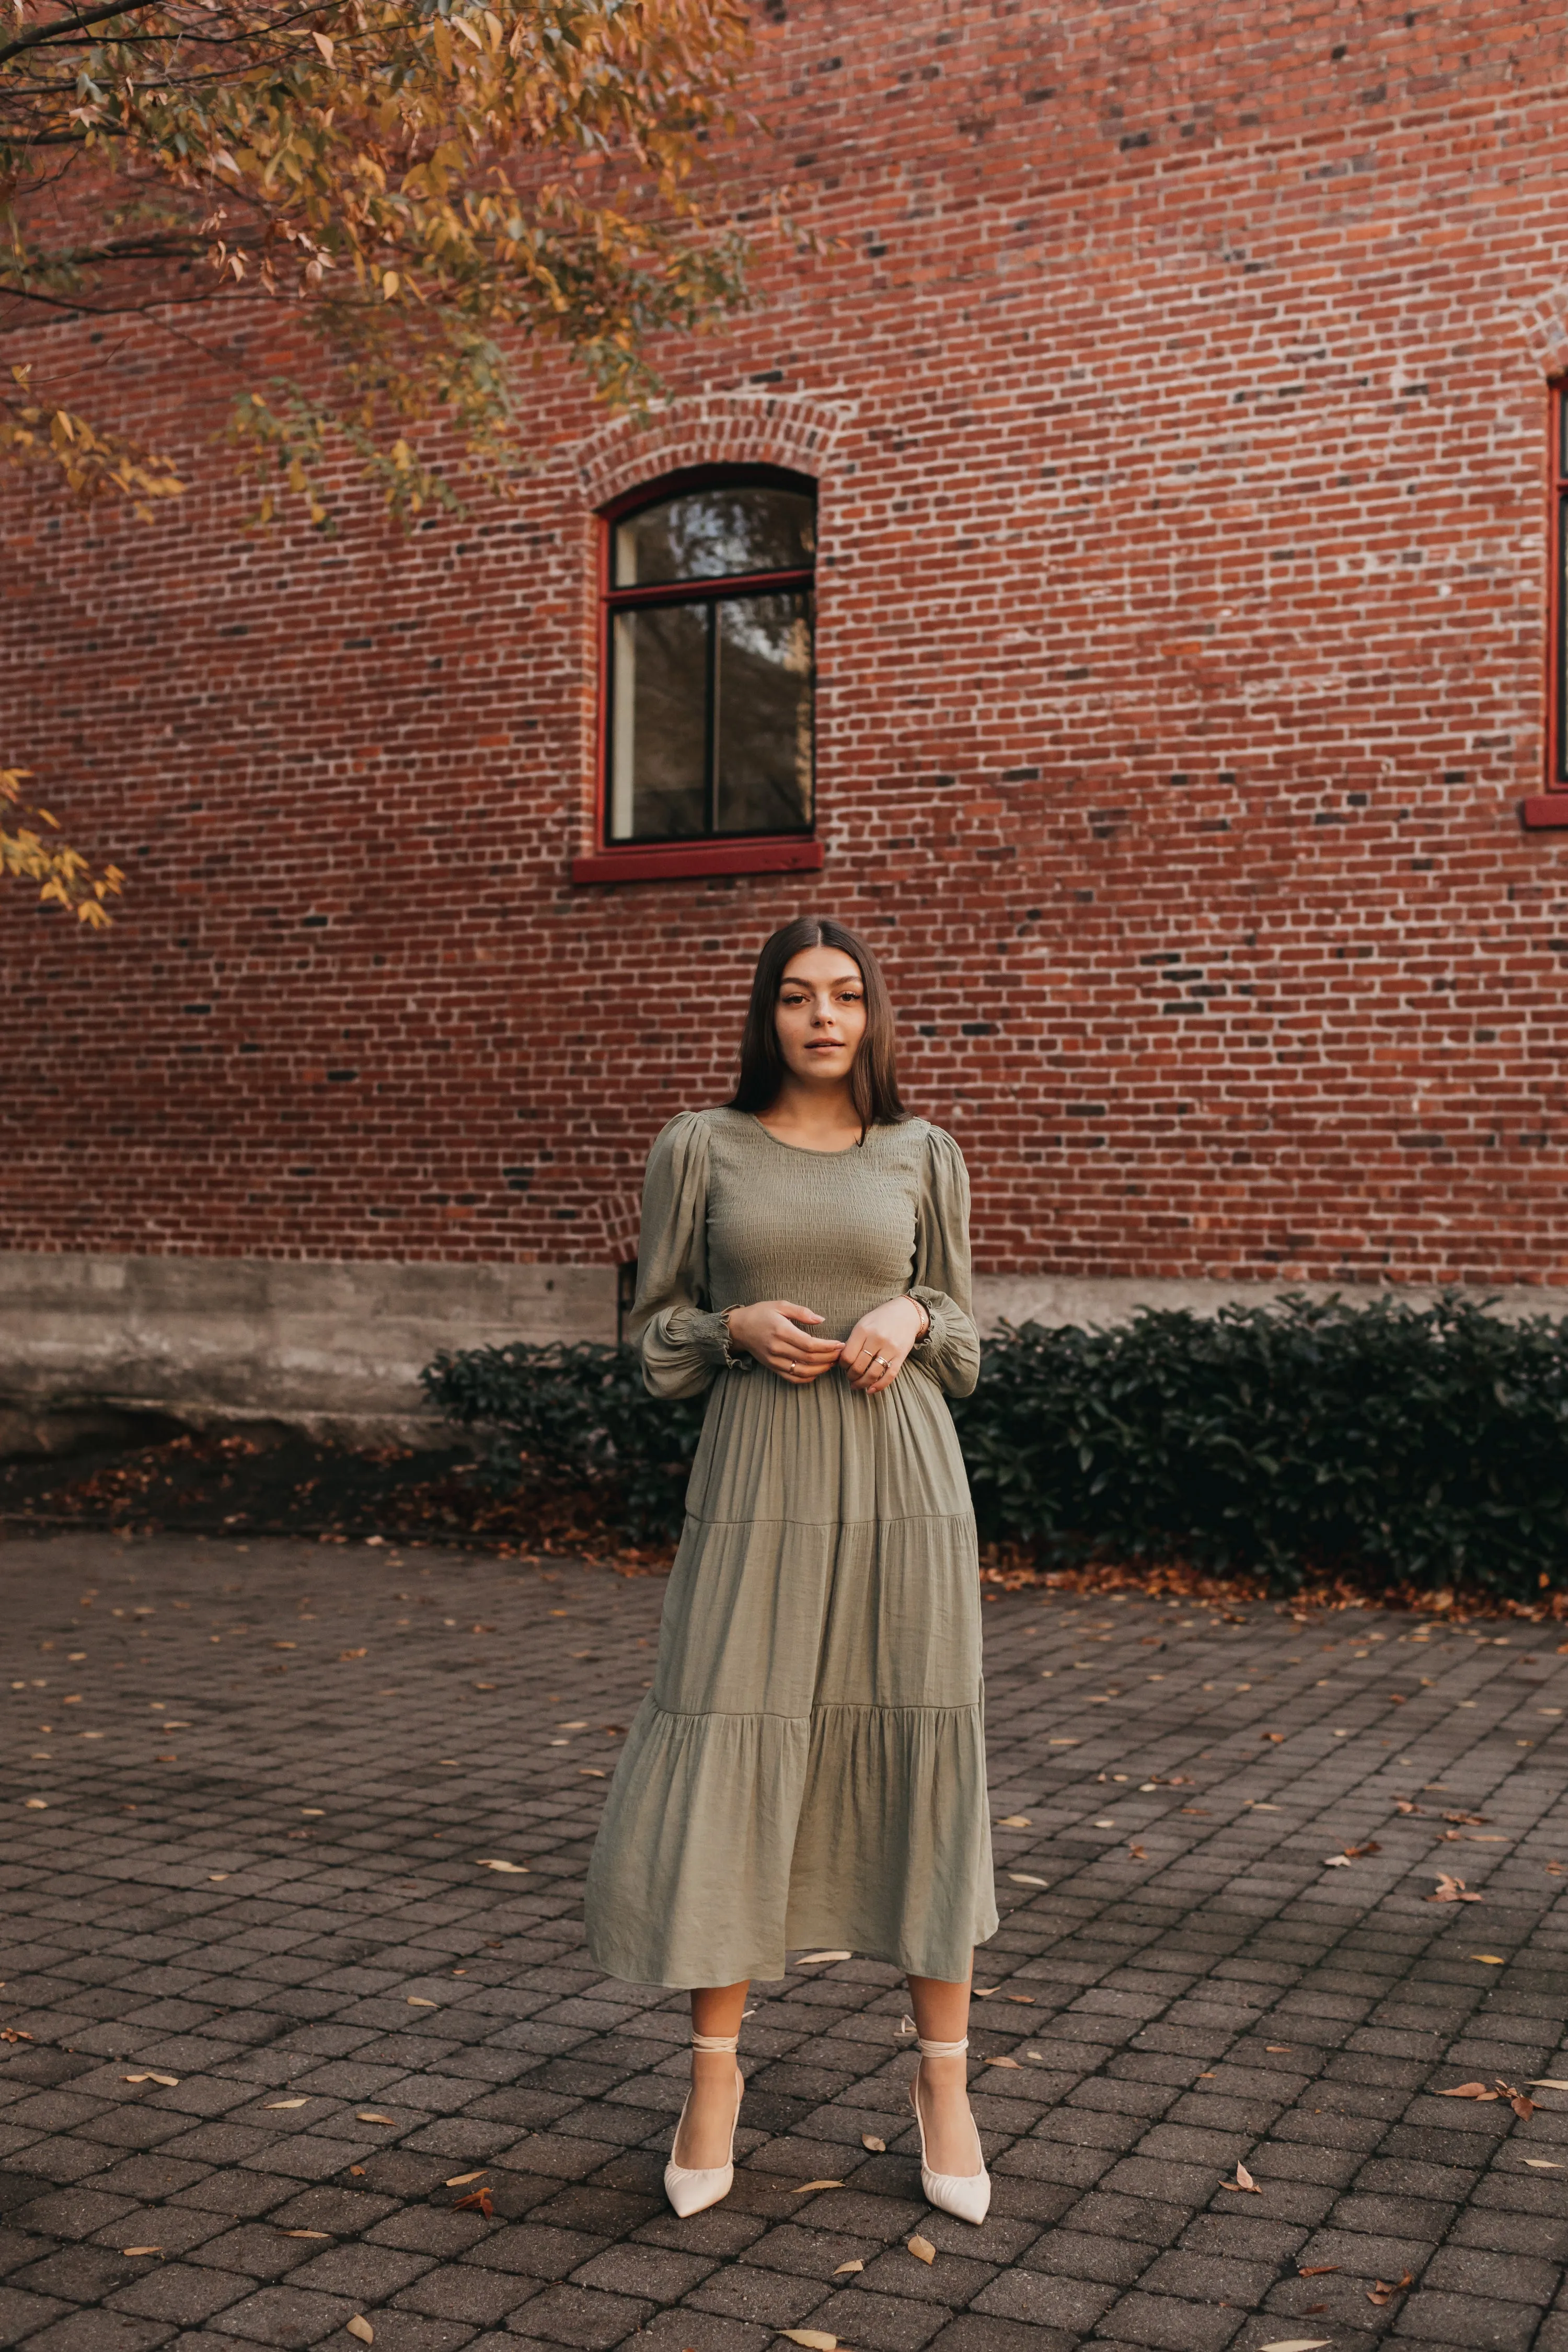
(1384, 1442)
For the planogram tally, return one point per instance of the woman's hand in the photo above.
(772, 1333)
(874, 1351)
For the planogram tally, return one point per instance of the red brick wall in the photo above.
(1178, 384)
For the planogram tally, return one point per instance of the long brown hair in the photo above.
(873, 1080)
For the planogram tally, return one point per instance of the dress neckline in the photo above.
(805, 1149)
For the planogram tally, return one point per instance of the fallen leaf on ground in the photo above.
(1540, 2164)
(1024, 2000)
(592, 1772)
(1468, 1821)
(844, 2267)
(1136, 1854)
(1342, 1862)
(356, 2172)
(984, 1992)
(493, 1864)
(287, 2103)
(815, 2339)
(373, 2119)
(923, 2249)
(1276, 1736)
(877, 2146)
(343, 1657)
(478, 2200)
(1451, 1890)
(141, 2250)
(1368, 1845)
(1243, 2180)
(1014, 1821)
(307, 2233)
(1382, 2291)
(1403, 1805)
(1023, 1878)
(1469, 2091)
(418, 2000)
(1001, 2062)
(1547, 2083)
(1277, 2049)
(1490, 1959)
(356, 2326)
(805, 2185)
(1296, 2344)
(461, 2179)
(169, 2081)
(814, 1959)
(1319, 2269)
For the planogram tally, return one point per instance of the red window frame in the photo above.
(1549, 809)
(650, 861)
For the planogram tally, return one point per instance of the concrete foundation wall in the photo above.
(338, 1346)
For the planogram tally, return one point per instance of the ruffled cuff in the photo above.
(682, 1349)
(950, 1348)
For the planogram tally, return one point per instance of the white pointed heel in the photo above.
(693, 2190)
(965, 2195)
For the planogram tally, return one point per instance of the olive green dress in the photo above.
(809, 1767)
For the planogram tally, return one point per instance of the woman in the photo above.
(809, 1767)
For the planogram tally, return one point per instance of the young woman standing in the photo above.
(809, 1767)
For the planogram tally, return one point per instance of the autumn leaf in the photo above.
(877, 2146)
(418, 2000)
(1297, 2344)
(1024, 2000)
(1014, 1821)
(169, 2081)
(1023, 1878)
(814, 2339)
(373, 2119)
(1451, 1890)
(815, 1959)
(806, 2186)
(1469, 2091)
(360, 2327)
(514, 1869)
(1244, 2181)
(287, 2103)
(921, 2248)
(1547, 2083)
(307, 2233)
(1001, 2062)
(1319, 2269)
(844, 2268)
(141, 2250)
(478, 2200)
(461, 2179)
(1540, 2164)
(1381, 2292)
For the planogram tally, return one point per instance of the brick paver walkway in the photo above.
(254, 1796)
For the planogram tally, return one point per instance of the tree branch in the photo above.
(64, 28)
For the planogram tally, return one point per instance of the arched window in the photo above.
(708, 662)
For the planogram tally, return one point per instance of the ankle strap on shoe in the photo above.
(730, 2042)
(941, 2049)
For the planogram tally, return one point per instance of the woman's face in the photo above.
(821, 1015)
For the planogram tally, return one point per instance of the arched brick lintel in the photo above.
(715, 428)
(1544, 325)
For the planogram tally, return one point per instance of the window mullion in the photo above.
(710, 749)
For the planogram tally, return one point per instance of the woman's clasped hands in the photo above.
(873, 1356)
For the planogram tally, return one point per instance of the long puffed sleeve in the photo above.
(942, 1283)
(682, 1345)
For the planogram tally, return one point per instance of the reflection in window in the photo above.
(710, 662)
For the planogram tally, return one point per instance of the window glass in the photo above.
(763, 698)
(716, 534)
(658, 773)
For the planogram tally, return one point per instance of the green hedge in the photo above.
(1384, 1442)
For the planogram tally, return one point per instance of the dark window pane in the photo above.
(712, 534)
(659, 723)
(763, 782)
